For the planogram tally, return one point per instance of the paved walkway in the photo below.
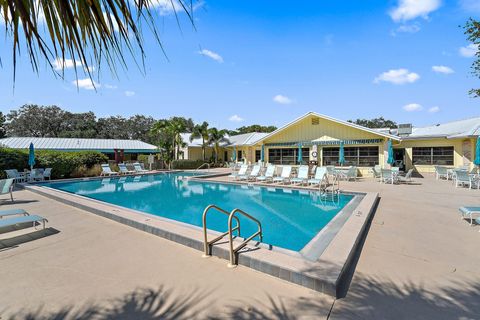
(419, 261)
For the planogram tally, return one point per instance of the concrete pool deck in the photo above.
(419, 260)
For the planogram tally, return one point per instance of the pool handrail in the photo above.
(233, 263)
(205, 163)
(207, 244)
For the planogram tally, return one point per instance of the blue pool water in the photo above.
(290, 218)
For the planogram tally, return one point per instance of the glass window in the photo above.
(433, 156)
(354, 156)
(287, 155)
(258, 153)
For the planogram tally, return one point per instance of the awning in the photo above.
(324, 142)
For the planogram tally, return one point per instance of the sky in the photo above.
(268, 62)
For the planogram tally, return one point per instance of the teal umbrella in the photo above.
(341, 154)
(391, 159)
(476, 161)
(299, 156)
(262, 153)
(234, 156)
(31, 156)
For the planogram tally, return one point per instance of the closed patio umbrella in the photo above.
(341, 155)
(31, 156)
(234, 156)
(391, 159)
(299, 156)
(476, 161)
(262, 153)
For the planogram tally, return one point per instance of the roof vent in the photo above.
(404, 129)
(315, 121)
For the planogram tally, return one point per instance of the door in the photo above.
(399, 156)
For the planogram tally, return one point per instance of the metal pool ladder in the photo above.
(231, 216)
(206, 163)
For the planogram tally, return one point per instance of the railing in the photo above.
(233, 251)
(207, 244)
(203, 164)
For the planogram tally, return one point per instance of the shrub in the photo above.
(187, 164)
(64, 164)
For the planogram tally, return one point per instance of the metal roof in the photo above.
(236, 140)
(74, 144)
(456, 129)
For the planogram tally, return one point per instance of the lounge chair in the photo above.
(462, 178)
(242, 172)
(388, 176)
(12, 212)
(254, 173)
(124, 170)
(320, 176)
(468, 212)
(407, 178)
(13, 173)
(377, 172)
(302, 175)
(351, 173)
(107, 171)
(138, 168)
(441, 172)
(285, 175)
(6, 187)
(268, 175)
(22, 219)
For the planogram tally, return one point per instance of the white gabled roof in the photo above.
(74, 144)
(346, 123)
(236, 140)
(456, 129)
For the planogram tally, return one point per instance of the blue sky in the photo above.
(268, 62)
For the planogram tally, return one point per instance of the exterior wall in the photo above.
(461, 156)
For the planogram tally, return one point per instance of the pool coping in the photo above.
(327, 274)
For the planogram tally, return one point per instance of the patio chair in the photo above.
(138, 168)
(302, 175)
(320, 176)
(254, 173)
(388, 176)
(468, 212)
(12, 212)
(241, 172)
(22, 219)
(47, 173)
(124, 170)
(36, 175)
(407, 178)
(376, 171)
(107, 171)
(285, 175)
(6, 187)
(13, 173)
(268, 175)
(351, 173)
(331, 170)
(462, 178)
(441, 172)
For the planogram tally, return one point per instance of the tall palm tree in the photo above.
(87, 32)
(201, 131)
(216, 137)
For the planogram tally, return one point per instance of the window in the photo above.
(354, 156)
(225, 156)
(287, 156)
(239, 155)
(432, 156)
(257, 155)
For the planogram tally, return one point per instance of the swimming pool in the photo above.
(290, 218)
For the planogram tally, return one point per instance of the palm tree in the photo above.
(201, 131)
(89, 32)
(216, 137)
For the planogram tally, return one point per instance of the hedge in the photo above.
(64, 164)
(187, 164)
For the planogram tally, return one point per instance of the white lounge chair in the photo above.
(138, 168)
(407, 178)
(36, 175)
(107, 171)
(254, 173)
(124, 170)
(377, 173)
(302, 175)
(388, 176)
(269, 172)
(351, 173)
(47, 173)
(12, 212)
(469, 212)
(285, 175)
(22, 219)
(242, 172)
(441, 172)
(462, 178)
(13, 173)
(6, 187)
(320, 176)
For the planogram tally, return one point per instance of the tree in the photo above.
(472, 30)
(88, 31)
(32, 120)
(201, 131)
(79, 125)
(3, 131)
(375, 123)
(252, 128)
(215, 137)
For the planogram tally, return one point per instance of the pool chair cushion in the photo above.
(23, 219)
(468, 210)
(12, 212)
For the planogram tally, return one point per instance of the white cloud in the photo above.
(469, 51)
(236, 118)
(406, 28)
(442, 69)
(59, 64)
(129, 93)
(87, 84)
(470, 5)
(212, 55)
(411, 9)
(282, 99)
(110, 86)
(397, 76)
(167, 7)
(412, 107)
(434, 109)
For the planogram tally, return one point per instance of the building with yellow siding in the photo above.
(319, 137)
